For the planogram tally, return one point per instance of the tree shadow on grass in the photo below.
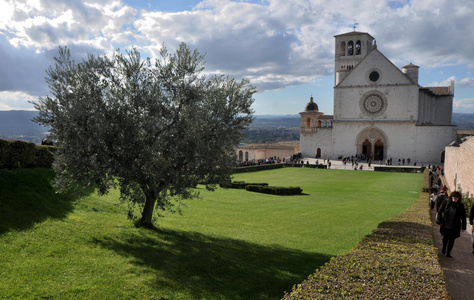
(207, 267)
(28, 197)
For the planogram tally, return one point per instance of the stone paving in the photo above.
(459, 270)
(338, 164)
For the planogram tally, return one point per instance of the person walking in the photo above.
(439, 199)
(452, 218)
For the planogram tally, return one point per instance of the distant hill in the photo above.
(463, 121)
(276, 121)
(17, 125)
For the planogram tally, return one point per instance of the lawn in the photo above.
(229, 244)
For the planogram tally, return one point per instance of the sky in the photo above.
(284, 47)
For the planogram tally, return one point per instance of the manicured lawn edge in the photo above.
(397, 260)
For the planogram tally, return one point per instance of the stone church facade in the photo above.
(380, 111)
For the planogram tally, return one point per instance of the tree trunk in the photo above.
(147, 213)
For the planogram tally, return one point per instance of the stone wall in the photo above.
(263, 151)
(459, 165)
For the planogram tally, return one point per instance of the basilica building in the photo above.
(380, 111)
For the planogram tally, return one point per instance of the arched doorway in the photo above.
(318, 153)
(372, 142)
(367, 148)
(378, 150)
(241, 156)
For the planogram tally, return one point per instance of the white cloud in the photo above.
(275, 43)
(464, 105)
(16, 101)
(459, 83)
(465, 82)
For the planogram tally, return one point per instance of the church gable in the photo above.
(374, 70)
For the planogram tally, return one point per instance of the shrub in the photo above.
(240, 184)
(44, 156)
(21, 154)
(466, 200)
(274, 190)
(257, 168)
(4, 147)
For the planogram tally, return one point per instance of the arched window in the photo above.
(308, 123)
(343, 48)
(325, 124)
(358, 47)
(329, 123)
(350, 48)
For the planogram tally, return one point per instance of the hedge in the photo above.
(401, 169)
(21, 154)
(240, 184)
(276, 166)
(274, 190)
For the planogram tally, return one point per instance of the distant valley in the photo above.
(17, 125)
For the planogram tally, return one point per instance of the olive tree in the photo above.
(152, 129)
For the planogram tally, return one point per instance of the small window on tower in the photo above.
(343, 48)
(350, 48)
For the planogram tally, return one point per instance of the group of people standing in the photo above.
(451, 216)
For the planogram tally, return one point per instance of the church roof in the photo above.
(440, 90)
(353, 33)
(372, 52)
(410, 65)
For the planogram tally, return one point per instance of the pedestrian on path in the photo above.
(452, 218)
(440, 199)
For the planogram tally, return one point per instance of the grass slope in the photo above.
(230, 244)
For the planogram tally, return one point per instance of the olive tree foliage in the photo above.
(154, 129)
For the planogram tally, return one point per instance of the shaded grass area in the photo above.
(230, 244)
(27, 197)
(397, 261)
(197, 266)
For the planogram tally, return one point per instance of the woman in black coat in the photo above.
(452, 218)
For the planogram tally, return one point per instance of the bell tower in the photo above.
(350, 49)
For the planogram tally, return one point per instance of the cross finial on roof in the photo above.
(355, 25)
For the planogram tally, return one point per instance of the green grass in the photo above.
(230, 244)
(398, 260)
